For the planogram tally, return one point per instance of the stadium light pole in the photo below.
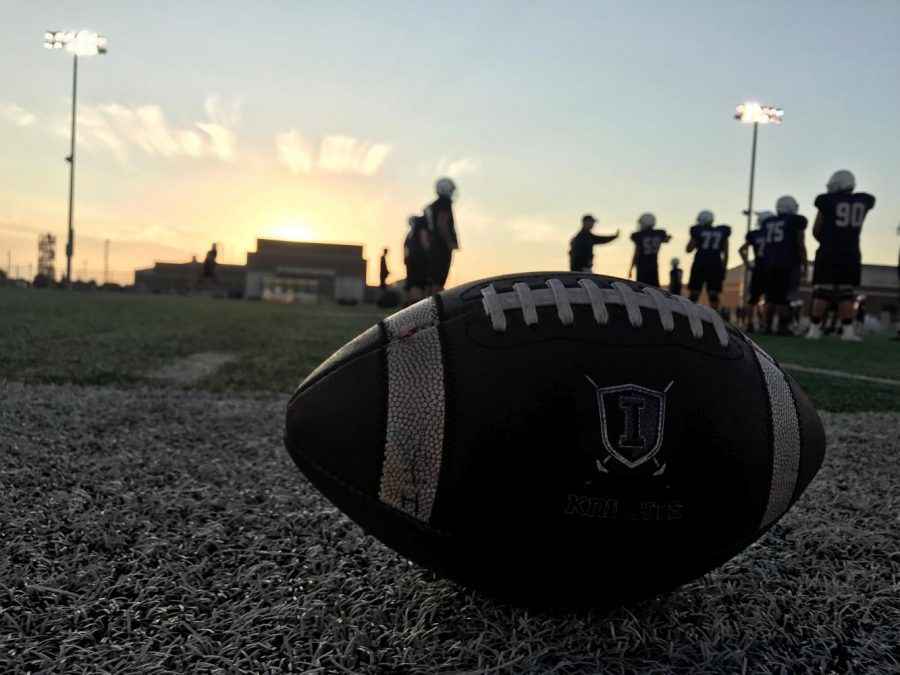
(81, 43)
(751, 112)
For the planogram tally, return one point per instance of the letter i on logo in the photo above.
(632, 420)
(631, 408)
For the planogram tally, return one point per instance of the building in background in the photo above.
(285, 271)
(185, 277)
(294, 271)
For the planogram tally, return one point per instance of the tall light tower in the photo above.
(81, 43)
(751, 112)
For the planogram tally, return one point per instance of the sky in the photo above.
(330, 121)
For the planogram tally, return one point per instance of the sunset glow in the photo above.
(539, 113)
(291, 231)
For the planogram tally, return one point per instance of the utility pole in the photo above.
(70, 242)
(80, 43)
(106, 262)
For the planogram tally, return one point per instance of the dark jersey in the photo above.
(843, 213)
(711, 241)
(675, 280)
(648, 243)
(412, 245)
(581, 249)
(781, 246)
(440, 205)
(757, 241)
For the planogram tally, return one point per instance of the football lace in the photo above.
(527, 300)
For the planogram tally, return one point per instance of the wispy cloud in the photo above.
(220, 126)
(294, 152)
(16, 114)
(457, 167)
(123, 129)
(344, 154)
(336, 154)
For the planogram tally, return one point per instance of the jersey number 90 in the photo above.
(849, 214)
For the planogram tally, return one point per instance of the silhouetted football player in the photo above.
(647, 241)
(785, 251)
(675, 276)
(711, 260)
(755, 240)
(415, 257)
(838, 260)
(442, 235)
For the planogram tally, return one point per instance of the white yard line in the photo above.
(839, 373)
(193, 368)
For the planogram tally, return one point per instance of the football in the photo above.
(557, 438)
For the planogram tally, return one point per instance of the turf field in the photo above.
(151, 521)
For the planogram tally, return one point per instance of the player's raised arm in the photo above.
(605, 238)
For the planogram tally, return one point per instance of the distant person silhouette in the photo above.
(581, 247)
(675, 276)
(442, 239)
(415, 257)
(208, 271)
(860, 308)
(384, 272)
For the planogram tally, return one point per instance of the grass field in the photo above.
(105, 338)
(100, 338)
(157, 525)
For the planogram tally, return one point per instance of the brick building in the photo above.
(287, 271)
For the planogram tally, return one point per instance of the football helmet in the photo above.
(675, 262)
(646, 221)
(705, 218)
(445, 188)
(761, 216)
(841, 181)
(786, 206)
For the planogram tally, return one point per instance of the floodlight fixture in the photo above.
(752, 112)
(80, 43)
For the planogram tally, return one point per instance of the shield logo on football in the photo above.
(632, 420)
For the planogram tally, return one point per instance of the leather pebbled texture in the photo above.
(581, 464)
